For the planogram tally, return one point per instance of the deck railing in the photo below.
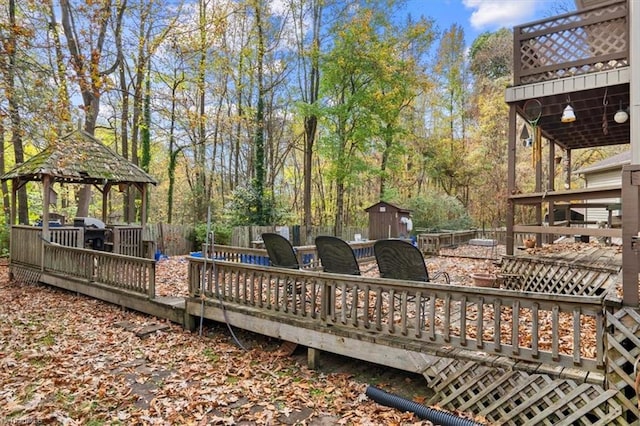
(26, 242)
(545, 328)
(122, 272)
(582, 42)
(128, 240)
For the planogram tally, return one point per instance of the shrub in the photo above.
(439, 212)
(221, 234)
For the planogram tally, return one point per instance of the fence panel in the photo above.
(170, 239)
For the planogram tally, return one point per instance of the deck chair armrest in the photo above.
(371, 268)
(444, 274)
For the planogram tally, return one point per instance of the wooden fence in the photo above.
(170, 239)
(565, 330)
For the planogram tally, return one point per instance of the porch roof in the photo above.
(78, 157)
(593, 101)
(580, 58)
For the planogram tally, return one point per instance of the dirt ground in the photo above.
(402, 383)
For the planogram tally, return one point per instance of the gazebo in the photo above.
(78, 158)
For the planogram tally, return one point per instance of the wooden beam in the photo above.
(630, 229)
(46, 187)
(569, 230)
(568, 195)
(511, 177)
(537, 155)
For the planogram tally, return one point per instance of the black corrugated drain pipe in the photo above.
(436, 416)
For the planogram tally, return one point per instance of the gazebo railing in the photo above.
(26, 242)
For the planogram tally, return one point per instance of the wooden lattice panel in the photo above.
(24, 275)
(623, 354)
(589, 41)
(550, 276)
(508, 397)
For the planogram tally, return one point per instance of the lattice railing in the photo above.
(623, 356)
(577, 43)
(507, 397)
(551, 276)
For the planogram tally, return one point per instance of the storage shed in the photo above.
(388, 221)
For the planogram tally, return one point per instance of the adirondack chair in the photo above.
(282, 255)
(400, 260)
(280, 251)
(336, 255)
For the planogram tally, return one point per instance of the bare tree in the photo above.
(86, 47)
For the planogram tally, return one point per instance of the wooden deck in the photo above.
(469, 343)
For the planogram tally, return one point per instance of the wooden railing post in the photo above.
(152, 282)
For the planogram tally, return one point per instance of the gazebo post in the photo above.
(14, 202)
(46, 188)
(105, 200)
(143, 207)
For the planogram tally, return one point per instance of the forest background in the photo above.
(264, 112)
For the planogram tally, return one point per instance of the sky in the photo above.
(478, 16)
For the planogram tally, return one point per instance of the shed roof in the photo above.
(389, 205)
(609, 163)
(78, 157)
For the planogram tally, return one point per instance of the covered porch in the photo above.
(576, 86)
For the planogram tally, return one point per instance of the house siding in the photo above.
(601, 179)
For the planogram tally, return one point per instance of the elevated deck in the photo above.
(469, 343)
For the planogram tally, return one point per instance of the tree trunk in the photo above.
(124, 132)
(311, 122)
(88, 73)
(6, 202)
(339, 208)
(14, 112)
(259, 132)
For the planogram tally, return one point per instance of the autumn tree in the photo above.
(11, 36)
(307, 23)
(490, 57)
(400, 79)
(449, 141)
(86, 29)
(349, 71)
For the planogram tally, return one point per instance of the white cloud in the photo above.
(492, 14)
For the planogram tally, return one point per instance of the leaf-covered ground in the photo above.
(67, 359)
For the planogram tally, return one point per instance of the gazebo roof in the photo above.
(79, 157)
